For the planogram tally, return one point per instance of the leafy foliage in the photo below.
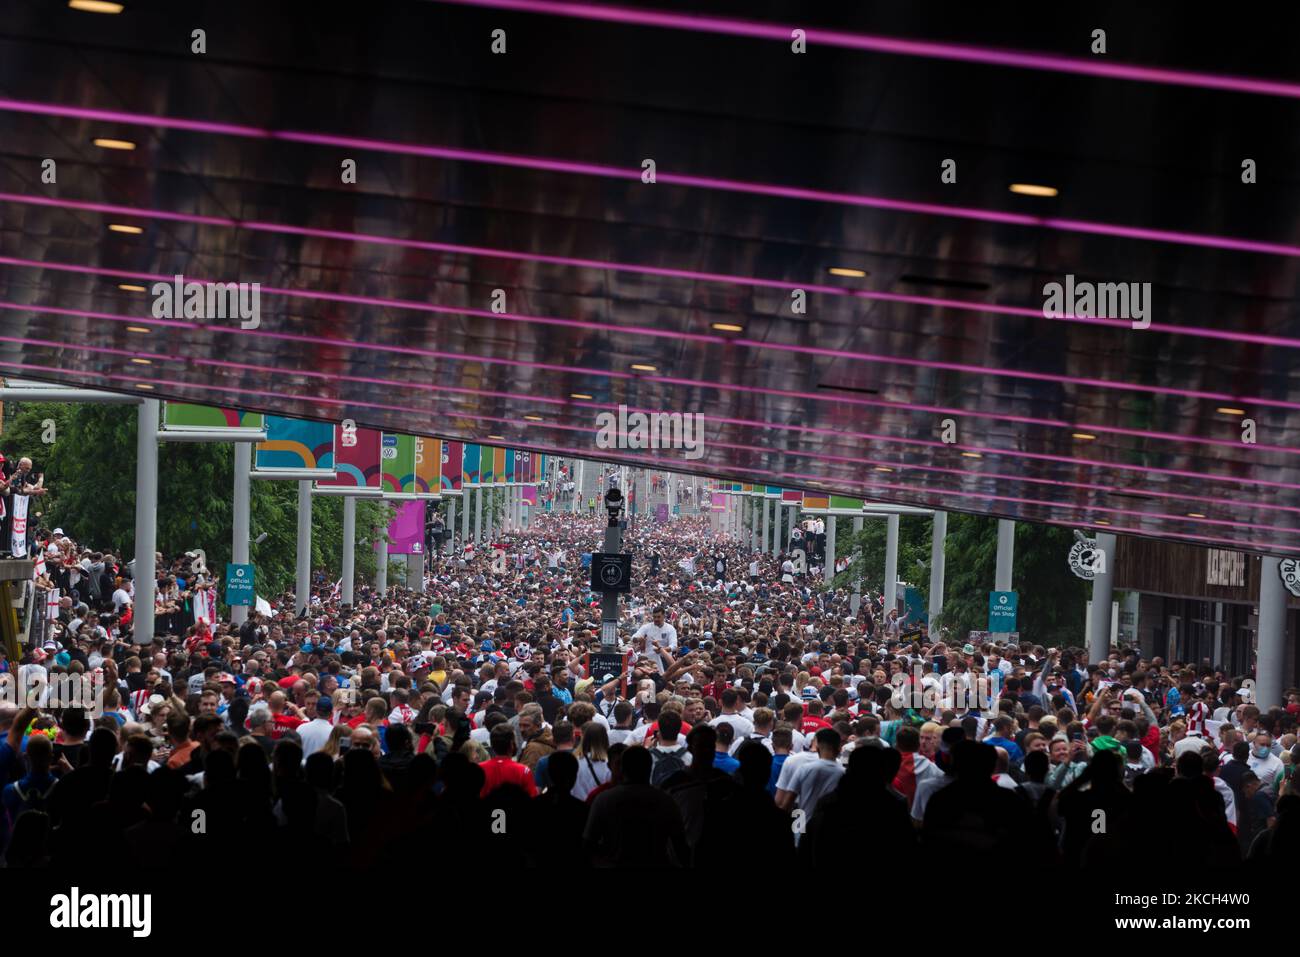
(1051, 599)
(90, 470)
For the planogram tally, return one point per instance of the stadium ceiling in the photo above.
(775, 171)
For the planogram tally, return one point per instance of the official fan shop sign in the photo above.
(1288, 569)
(1002, 611)
(239, 585)
(611, 572)
(1087, 559)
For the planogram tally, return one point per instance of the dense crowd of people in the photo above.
(752, 717)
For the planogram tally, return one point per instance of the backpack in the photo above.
(34, 800)
(666, 764)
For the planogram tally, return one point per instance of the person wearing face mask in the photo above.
(1266, 765)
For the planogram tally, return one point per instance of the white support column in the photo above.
(1271, 653)
(767, 524)
(829, 569)
(938, 536)
(856, 601)
(466, 494)
(450, 526)
(478, 518)
(349, 548)
(776, 528)
(1006, 554)
(1102, 591)
(302, 590)
(239, 519)
(146, 519)
(891, 563)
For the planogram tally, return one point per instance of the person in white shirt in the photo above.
(1266, 765)
(739, 723)
(316, 732)
(654, 636)
(811, 779)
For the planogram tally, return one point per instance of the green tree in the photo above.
(32, 429)
(1051, 598)
(90, 469)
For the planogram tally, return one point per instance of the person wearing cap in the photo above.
(314, 733)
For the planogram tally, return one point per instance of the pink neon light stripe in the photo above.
(989, 56)
(717, 340)
(578, 168)
(610, 456)
(546, 400)
(830, 398)
(333, 343)
(979, 308)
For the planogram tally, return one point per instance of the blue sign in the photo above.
(1002, 610)
(239, 584)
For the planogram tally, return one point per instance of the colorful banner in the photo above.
(773, 491)
(397, 456)
(356, 459)
(470, 465)
(512, 459)
(486, 465)
(789, 497)
(498, 466)
(452, 464)
(428, 466)
(296, 444)
(183, 415)
(843, 505)
(406, 532)
(719, 501)
(815, 503)
(530, 494)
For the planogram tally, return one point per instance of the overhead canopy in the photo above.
(523, 172)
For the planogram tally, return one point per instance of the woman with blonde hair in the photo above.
(334, 746)
(592, 753)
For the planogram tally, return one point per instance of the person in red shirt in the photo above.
(281, 719)
(812, 721)
(501, 768)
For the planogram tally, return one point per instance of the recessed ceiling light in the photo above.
(1195, 515)
(1101, 521)
(533, 418)
(95, 6)
(143, 362)
(105, 143)
(1227, 411)
(850, 273)
(972, 455)
(143, 385)
(129, 287)
(643, 367)
(579, 395)
(1030, 189)
(120, 228)
(138, 329)
(728, 327)
(498, 438)
(1083, 436)
(881, 468)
